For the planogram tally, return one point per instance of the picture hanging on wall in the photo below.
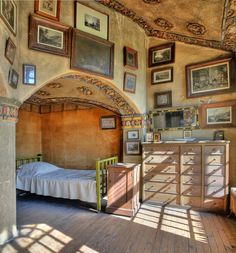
(162, 54)
(29, 74)
(48, 8)
(129, 82)
(91, 21)
(10, 51)
(8, 13)
(163, 99)
(130, 58)
(132, 147)
(49, 36)
(108, 122)
(212, 77)
(13, 78)
(133, 134)
(164, 75)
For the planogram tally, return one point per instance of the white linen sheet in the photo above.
(49, 180)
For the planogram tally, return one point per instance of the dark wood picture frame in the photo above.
(92, 54)
(108, 122)
(130, 58)
(13, 78)
(47, 43)
(163, 99)
(91, 21)
(210, 77)
(48, 13)
(129, 82)
(162, 75)
(218, 115)
(132, 148)
(29, 74)
(135, 135)
(8, 13)
(162, 54)
(10, 50)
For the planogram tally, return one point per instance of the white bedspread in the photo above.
(49, 180)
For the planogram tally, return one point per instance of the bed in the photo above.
(42, 178)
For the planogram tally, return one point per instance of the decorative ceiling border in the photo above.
(150, 31)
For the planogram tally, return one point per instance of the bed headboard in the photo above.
(23, 160)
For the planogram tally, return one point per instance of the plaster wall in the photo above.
(184, 55)
(28, 134)
(74, 139)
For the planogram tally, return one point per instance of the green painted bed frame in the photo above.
(101, 174)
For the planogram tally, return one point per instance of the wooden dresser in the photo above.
(123, 188)
(193, 173)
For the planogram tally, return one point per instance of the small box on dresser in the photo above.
(123, 188)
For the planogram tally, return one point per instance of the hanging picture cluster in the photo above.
(157, 56)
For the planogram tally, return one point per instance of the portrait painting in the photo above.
(8, 12)
(163, 99)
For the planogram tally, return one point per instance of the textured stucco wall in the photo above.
(74, 139)
(184, 55)
(7, 182)
(28, 134)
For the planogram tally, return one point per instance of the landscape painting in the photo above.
(219, 115)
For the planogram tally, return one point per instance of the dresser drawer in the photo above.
(215, 170)
(214, 150)
(191, 180)
(161, 168)
(215, 191)
(161, 187)
(161, 198)
(214, 181)
(161, 150)
(162, 178)
(191, 201)
(215, 159)
(190, 190)
(213, 204)
(191, 159)
(170, 159)
(191, 150)
(191, 169)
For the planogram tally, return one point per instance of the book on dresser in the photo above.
(194, 174)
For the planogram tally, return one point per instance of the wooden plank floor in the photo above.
(48, 225)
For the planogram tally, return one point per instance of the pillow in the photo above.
(36, 168)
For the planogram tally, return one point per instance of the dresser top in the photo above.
(124, 165)
(217, 142)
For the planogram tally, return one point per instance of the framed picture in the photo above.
(108, 122)
(133, 134)
(29, 74)
(49, 36)
(219, 135)
(132, 147)
(8, 13)
(130, 58)
(162, 54)
(13, 78)
(129, 82)
(212, 77)
(149, 137)
(163, 99)
(10, 51)
(91, 21)
(48, 8)
(218, 115)
(92, 54)
(164, 75)
(156, 137)
(187, 134)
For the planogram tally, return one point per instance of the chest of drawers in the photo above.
(194, 174)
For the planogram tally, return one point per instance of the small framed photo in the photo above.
(222, 114)
(210, 78)
(162, 54)
(156, 137)
(149, 137)
(130, 58)
(133, 134)
(164, 75)
(187, 134)
(13, 78)
(132, 147)
(129, 82)
(108, 122)
(219, 135)
(48, 8)
(49, 36)
(163, 99)
(91, 21)
(29, 74)
(8, 13)
(10, 51)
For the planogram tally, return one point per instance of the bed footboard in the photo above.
(101, 178)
